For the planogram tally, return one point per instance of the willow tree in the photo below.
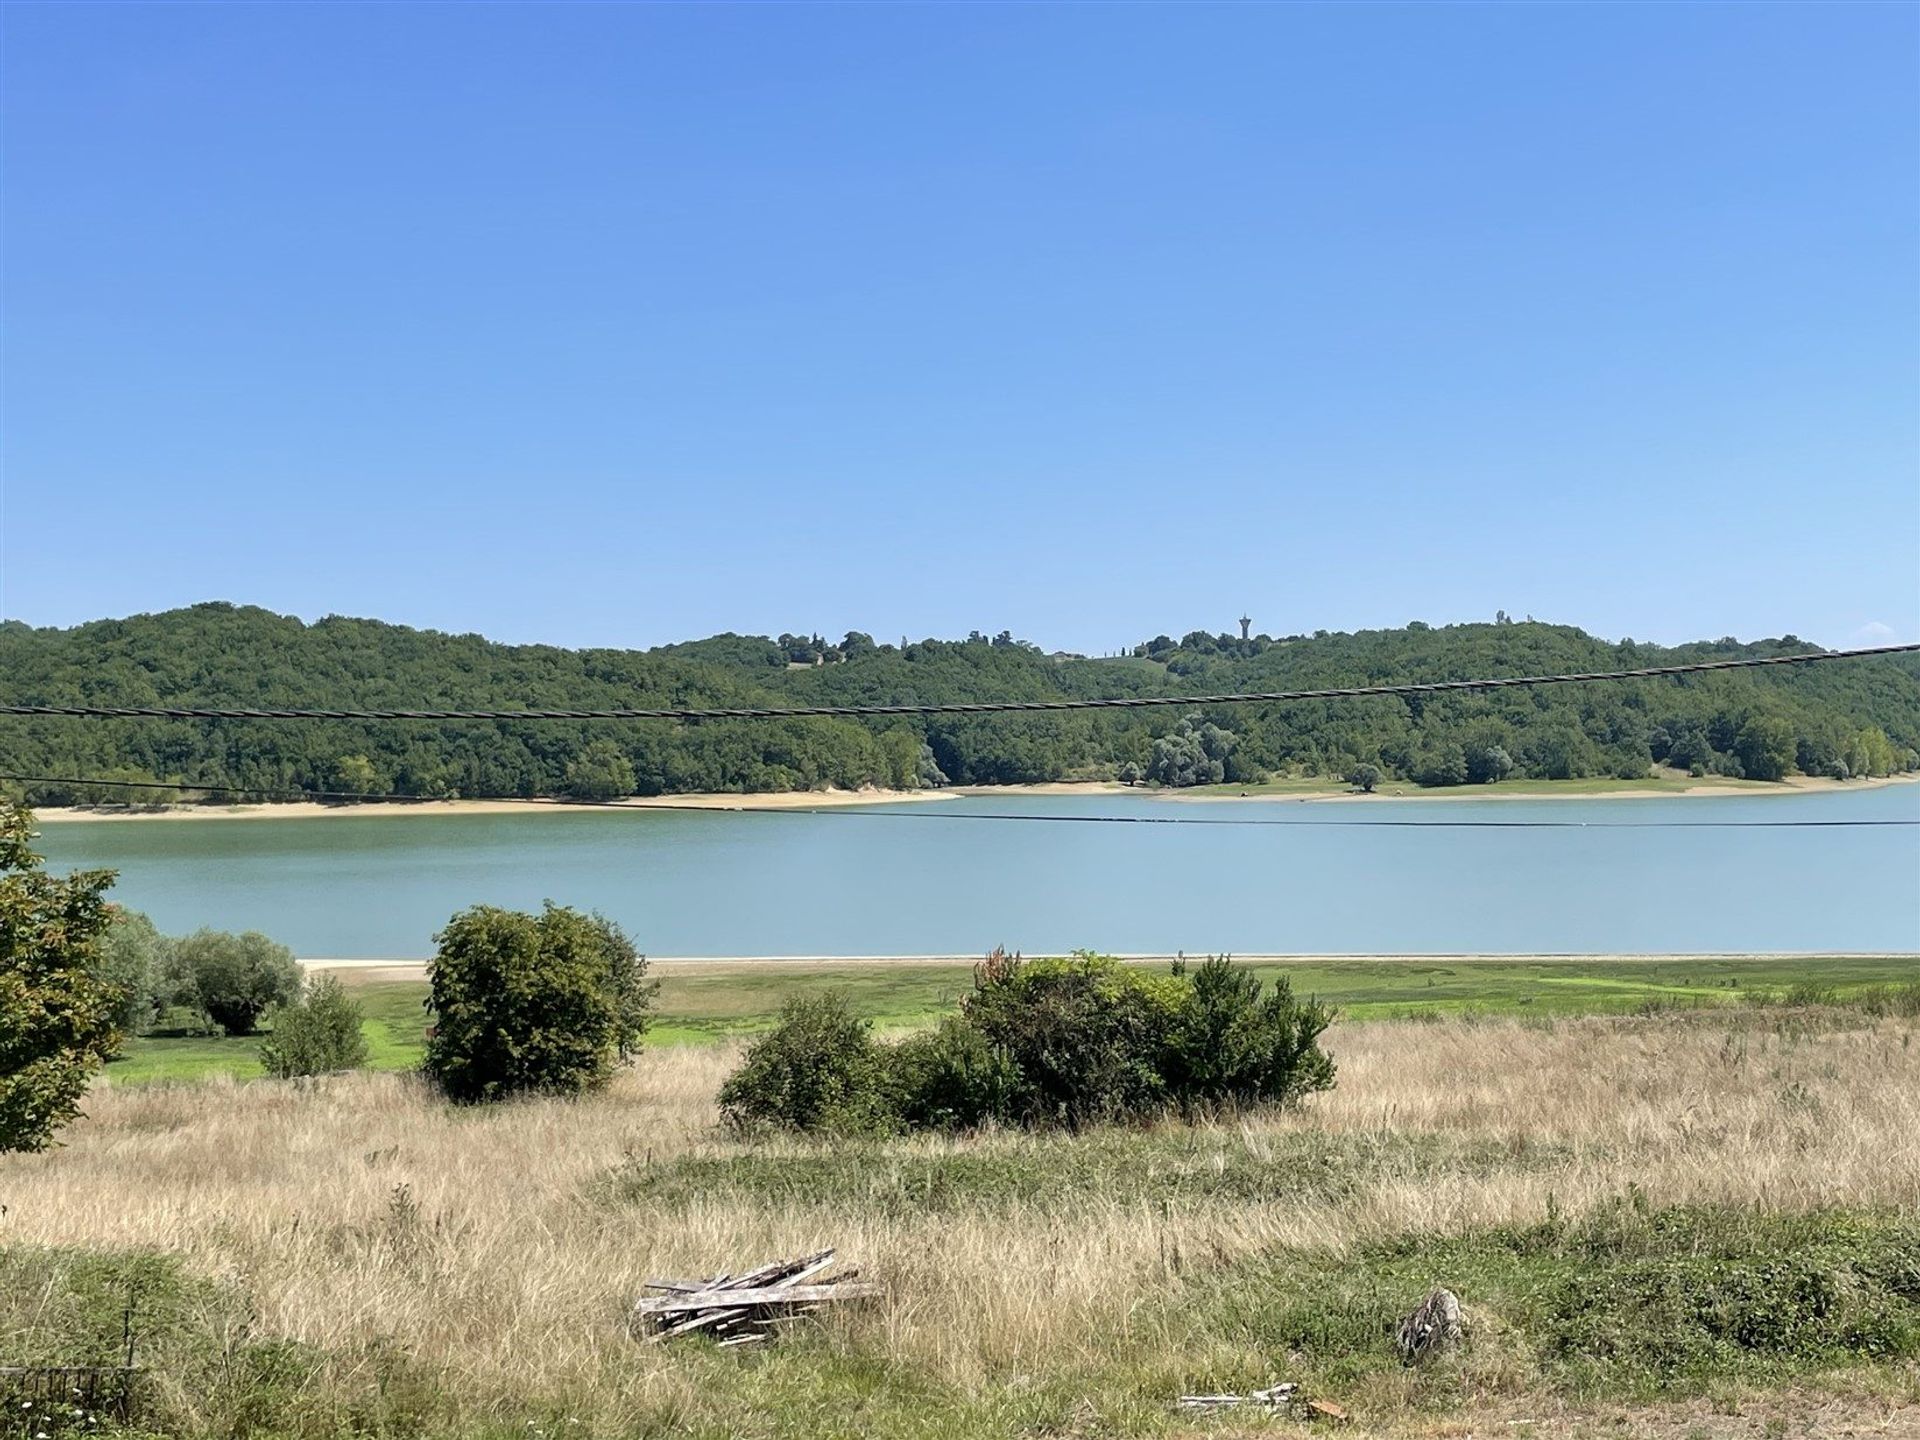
(56, 1015)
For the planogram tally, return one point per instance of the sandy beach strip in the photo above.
(833, 799)
(381, 809)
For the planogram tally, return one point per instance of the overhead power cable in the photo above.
(884, 811)
(985, 707)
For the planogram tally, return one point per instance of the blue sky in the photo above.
(611, 324)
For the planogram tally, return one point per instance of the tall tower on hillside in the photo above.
(1245, 621)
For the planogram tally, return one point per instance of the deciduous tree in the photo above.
(56, 1013)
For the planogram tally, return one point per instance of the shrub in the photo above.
(234, 979)
(1236, 1042)
(547, 1003)
(1364, 777)
(1084, 1035)
(131, 958)
(316, 1035)
(1074, 1042)
(816, 1070)
(56, 1014)
(952, 1078)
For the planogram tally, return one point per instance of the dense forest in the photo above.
(1859, 717)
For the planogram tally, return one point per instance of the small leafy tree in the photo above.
(1488, 764)
(233, 979)
(317, 1034)
(926, 769)
(601, 771)
(543, 1003)
(131, 957)
(1765, 745)
(1869, 752)
(1364, 777)
(1194, 754)
(1444, 765)
(816, 1070)
(357, 775)
(56, 1012)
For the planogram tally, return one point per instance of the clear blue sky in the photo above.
(611, 324)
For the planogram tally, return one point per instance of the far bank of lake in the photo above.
(1318, 789)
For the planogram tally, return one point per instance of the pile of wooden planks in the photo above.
(1277, 1397)
(747, 1308)
(1284, 1398)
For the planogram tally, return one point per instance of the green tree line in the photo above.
(1851, 718)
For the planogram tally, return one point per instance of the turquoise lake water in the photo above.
(1368, 877)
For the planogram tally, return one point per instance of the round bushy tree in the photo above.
(130, 957)
(235, 979)
(545, 1003)
(318, 1034)
(601, 771)
(817, 1070)
(56, 1013)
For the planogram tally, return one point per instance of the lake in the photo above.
(1382, 876)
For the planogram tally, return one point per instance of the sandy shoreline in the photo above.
(378, 809)
(692, 966)
(829, 799)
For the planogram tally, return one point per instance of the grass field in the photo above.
(1683, 1224)
(704, 1003)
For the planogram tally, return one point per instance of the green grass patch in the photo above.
(701, 1007)
(1630, 1302)
(1062, 1174)
(395, 1029)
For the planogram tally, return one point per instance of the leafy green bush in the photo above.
(1236, 1042)
(818, 1069)
(316, 1035)
(131, 957)
(232, 979)
(548, 1002)
(1085, 1035)
(1071, 1043)
(56, 1014)
(952, 1078)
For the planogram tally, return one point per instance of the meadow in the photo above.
(707, 1001)
(1685, 1223)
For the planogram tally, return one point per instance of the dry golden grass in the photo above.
(504, 1264)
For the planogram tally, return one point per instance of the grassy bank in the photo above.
(704, 1003)
(1690, 1222)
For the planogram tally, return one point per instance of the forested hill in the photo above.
(1849, 717)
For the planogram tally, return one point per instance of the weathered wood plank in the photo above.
(759, 1295)
(700, 1322)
